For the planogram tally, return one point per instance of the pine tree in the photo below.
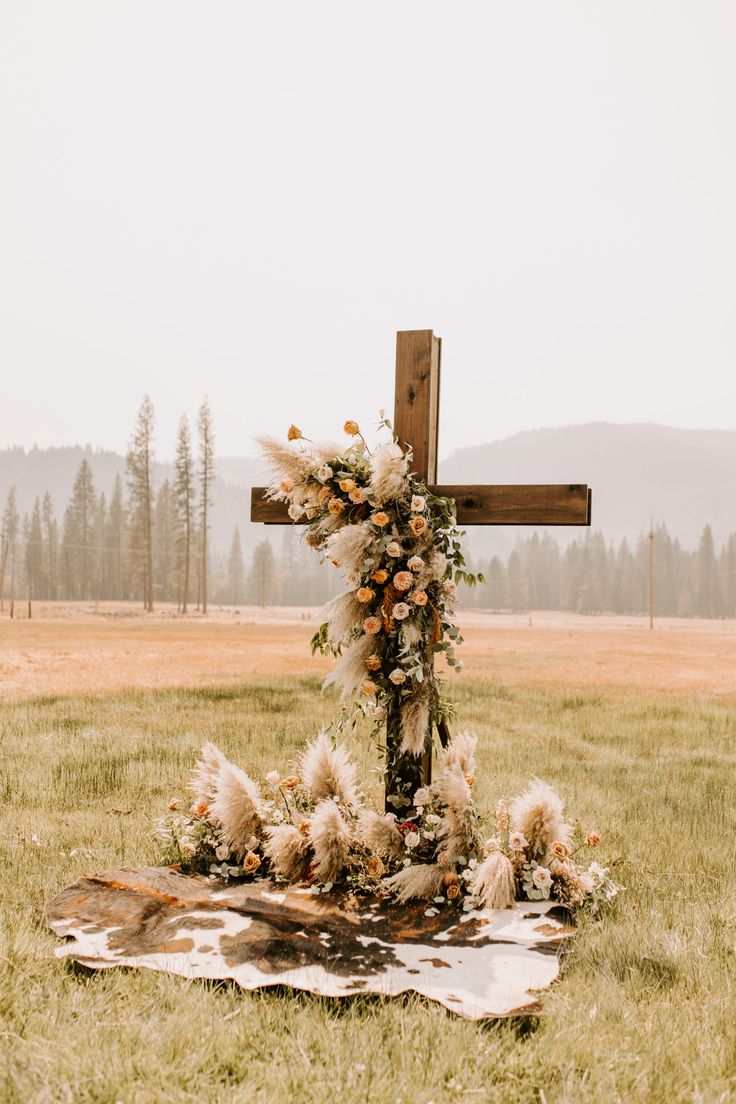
(115, 544)
(235, 571)
(139, 462)
(706, 577)
(35, 582)
(184, 494)
(83, 506)
(206, 475)
(262, 576)
(8, 541)
(164, 541)
(728, 576)
(51, 545)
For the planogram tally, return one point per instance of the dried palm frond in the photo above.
(422, 881)
(329, 772)
(330, 837)
(538, 814)
(380, 833)
(493, 883)
(236, 809)
(288, 851)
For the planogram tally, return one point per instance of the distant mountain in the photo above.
(683, 478)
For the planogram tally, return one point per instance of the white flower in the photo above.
(422, 796)
(450, 588)
(325, 473)
(401, 611)
(411, 839)
(598, 872)
(418, 503)
(397, 676)
(542, 878)
(393, 550)
(273, 778)
(222, 852)
(416, 563)
(295, 512)
(518, 841)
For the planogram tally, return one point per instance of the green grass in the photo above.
(644, 1010)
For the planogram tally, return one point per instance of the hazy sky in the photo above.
(249, 199)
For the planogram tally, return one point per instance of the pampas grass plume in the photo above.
(330, 838)
(493, 883)
(343, 614)
(421, 881)
(538, 813)
(328, 771)
(236, 808)
(288, 851)
(380, 833)
(415, 721)
(389, 472)
(350, 670)
(461, 752)
(206, 771)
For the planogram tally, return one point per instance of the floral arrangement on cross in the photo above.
(400, 549)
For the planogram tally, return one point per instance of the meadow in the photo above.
(645, 1006)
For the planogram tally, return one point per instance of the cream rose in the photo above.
(401, 611)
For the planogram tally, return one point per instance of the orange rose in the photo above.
(365, 594)
(290, 783)
(375, 867)
(347, 485)
(380, 518)
(352, 428)
(373, 662)
(201, 809)
(593, 839)
(453, 892)
(324, 494)
(336, 506)
(294, 433)
(559, 851)
(251, 862)
(419, 598)
(379, 576)
(417, 526)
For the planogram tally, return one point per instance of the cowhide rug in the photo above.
(477, 964)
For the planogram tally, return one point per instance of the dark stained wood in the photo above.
(499, 504)
(520, 503)
(417, 398)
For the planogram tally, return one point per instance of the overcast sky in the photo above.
(248, 200)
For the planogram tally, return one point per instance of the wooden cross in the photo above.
(416, 422)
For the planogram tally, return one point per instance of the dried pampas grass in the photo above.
(350, 670)
(421, 882)
(328, 771)
(380, 833)
(288, 851)
(331, 839)
(284, 462)
(415, 721)
(236, 808)
(461, 752)
(538, 814)
(349, 546)
(343, 614)
(389, 472)
(493, 883)
(206, 771)
(456, 831)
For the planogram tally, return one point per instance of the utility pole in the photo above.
(651, 573)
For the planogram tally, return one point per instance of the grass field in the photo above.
(644, 1010)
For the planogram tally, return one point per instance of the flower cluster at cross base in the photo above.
(313, 827)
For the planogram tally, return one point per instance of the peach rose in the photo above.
(357, 496)
(294, 433)
(397, 676)
(347, 485)
(369, 689)
(324, 494)
(453, 892)
(393, 550)
(593, 839)
(417, 526)
(286, 485)
(559, 851)
(336, 506)
(351, 428)
(365, 594)
(418, 597)
(290, 782)
(380, 518)
(416, 563)
(380, 576)
(450, 878)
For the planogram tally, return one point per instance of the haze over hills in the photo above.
(683, 478)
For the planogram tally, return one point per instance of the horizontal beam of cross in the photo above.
(485, 504)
